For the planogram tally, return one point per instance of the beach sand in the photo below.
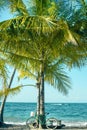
(13, 127)
(23, 127)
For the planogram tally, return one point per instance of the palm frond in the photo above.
(3, 72)
(26, 73)
(58, 78)
(24, 39)
(18, 6)
(11, 91)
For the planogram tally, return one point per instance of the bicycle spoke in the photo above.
(52, 123)
(32, 122)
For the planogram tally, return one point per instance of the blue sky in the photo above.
(78, 93)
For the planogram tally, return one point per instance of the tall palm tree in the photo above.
(40, 40)
(4, 99)
(4, 92)
(5, 89)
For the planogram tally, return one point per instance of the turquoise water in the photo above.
(69, 113)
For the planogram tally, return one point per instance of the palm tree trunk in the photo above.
(38, 101)
(42, 108)
(2, 110)
(4, 100)
(38, 95)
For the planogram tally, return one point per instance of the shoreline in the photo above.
(23, 127)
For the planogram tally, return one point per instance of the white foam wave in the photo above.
(16, 123)
(76, 124)
(57, 104)
(66, 123)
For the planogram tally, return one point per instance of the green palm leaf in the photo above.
(57, 77)
(7, 91)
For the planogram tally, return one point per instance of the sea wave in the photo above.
(66, 123)
(69, 113)
(16, 123)
(58, 104)
(76, 124)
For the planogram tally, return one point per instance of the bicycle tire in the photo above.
(31, 122)
(51, 123)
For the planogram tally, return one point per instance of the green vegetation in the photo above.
(5, 91)
(42, 39)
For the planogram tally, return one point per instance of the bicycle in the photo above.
(50, 123)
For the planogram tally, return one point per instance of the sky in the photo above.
(77, 94)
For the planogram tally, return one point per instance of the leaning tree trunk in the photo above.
(2, 110)
(4, 100)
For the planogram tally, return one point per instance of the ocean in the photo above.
(69, 113)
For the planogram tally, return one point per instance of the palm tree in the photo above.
(4, 92)
(76, 16)
(4, 99)
(40, 40)
(3, 73)
(54, 75)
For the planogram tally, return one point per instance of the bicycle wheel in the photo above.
(31, 122)
(51, 123)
